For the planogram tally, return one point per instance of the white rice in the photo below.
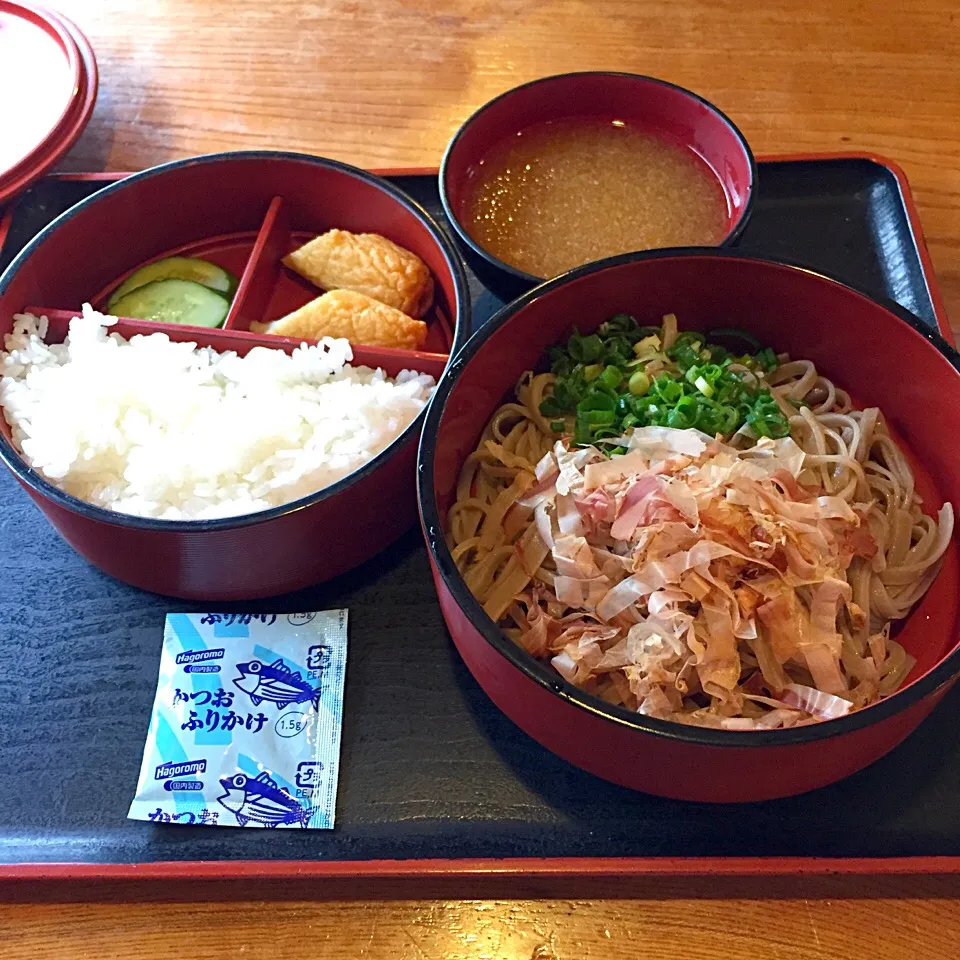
(180, 432)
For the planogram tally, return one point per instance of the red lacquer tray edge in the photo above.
(703, 877)
(595, 876)
(488, 866)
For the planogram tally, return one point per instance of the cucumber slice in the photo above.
(179, 268)
(175, 301)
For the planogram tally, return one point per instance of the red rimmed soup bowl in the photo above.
(648, 105)
(223, 207)
(879, 352)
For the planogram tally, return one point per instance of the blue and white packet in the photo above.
(245, 730)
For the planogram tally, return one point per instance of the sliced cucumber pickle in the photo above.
(174, 301)
(177, 268)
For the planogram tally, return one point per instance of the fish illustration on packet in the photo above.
(262, 801)
(246, 721)
(276, 683)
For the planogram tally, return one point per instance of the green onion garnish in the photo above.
(602, 383)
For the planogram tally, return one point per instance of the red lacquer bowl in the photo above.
(878, 352)
(646, 103)
(243, 211)
(69, 45)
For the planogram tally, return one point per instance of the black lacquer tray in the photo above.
(435, 781)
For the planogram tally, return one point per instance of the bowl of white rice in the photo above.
(209, 466)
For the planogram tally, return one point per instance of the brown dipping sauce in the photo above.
(566, 192)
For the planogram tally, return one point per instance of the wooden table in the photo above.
(385, 83)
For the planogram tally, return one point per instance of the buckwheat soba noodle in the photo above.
(695, 533)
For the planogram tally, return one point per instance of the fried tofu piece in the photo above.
(355, 316)
(366, 263)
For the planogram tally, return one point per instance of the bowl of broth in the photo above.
(574, 168)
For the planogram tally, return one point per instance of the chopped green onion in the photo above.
(612, 377)
(684, 414)
(549, 407)
(638, 384)
(585, 349)
(619, 323)
(667, 389)
(602, 384)
(767, 359)
(597, 400)
(600, 418)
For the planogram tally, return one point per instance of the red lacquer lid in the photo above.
(48, 85)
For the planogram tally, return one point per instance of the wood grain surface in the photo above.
(385, 83)
(492, 930)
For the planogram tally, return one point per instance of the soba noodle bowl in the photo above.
(743, 576)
